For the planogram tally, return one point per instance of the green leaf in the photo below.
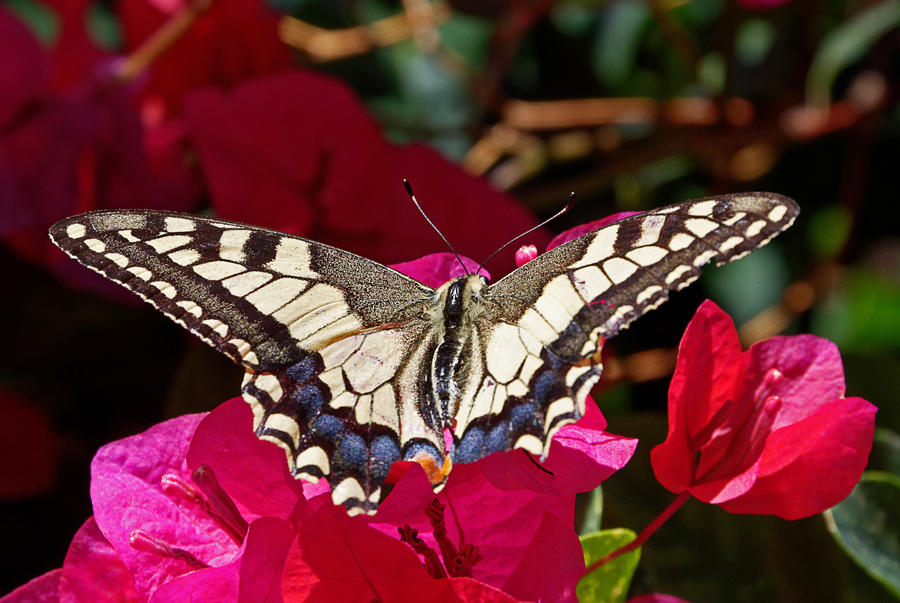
(748, 287)
(103, 27)
(609, 583)
(593, 512)
(713, 72)
(574, 20)
(753, 41)
(846, 45)
(861, 314)
(828, 230)
(867, 526)
(617, 41)
(43, 21)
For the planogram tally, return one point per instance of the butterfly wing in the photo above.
(540, 342)
(350, 410)
(333, 343)
(264, 298)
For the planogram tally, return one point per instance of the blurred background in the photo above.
(305, 115)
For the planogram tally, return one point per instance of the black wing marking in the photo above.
(348, 411)
(264, 298)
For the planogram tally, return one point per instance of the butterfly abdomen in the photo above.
(460, 302)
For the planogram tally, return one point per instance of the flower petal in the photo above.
(812, 374)
(93, 571)
(438, 268)
(262, 563)
(580, 458)
(126, 493)
(253, 472)
(340, 558)
(707, 374)
(550, 569)
(43, 589)
(501, 523)
(813, 464)
(473, 591)
(219, 584)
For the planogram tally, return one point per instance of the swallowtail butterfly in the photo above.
(351, 365)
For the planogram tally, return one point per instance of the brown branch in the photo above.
(323, 45)
(134, 64)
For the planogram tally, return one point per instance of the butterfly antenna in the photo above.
(547, 221)
(409, 191)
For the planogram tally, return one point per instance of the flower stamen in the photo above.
(219, 505)
(456, 563)
(432, 564)
(147, 543)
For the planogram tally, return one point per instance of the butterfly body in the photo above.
(351, 365)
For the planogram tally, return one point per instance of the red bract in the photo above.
(297, 152)
(231, 41)
(74, 54)
(70, 151)
(156, 538)
(93, 570)
(43, 589)
(765, 431)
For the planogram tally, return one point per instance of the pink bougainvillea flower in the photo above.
(297, 152)
(363, 564)
(43, 589)
(93, 570)
(162, 535)
(765, 431)
(437, 268)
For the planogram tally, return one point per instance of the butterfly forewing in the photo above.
(548, 318)
(264, 298)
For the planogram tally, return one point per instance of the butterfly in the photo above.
(351, 365)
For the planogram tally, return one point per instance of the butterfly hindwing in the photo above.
(348, 411)
(546, 320)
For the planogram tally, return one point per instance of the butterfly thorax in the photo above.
(460, 303)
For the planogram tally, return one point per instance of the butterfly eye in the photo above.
(484, 280)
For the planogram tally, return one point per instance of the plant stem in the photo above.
(644, 535)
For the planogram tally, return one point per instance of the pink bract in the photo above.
(770, 426)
